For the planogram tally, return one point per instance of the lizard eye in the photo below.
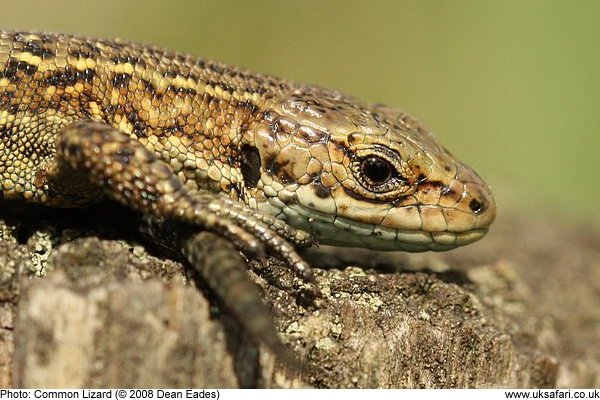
(376, 171)
(379, 171)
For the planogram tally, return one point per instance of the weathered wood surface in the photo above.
(520, 309)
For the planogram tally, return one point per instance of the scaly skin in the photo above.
(192, 140)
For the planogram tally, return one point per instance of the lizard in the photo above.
(258, 163)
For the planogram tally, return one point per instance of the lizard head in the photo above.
(364, 175)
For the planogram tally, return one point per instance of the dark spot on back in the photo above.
(10, 69)
(86, 50)
(250, 165)
(139, 127)
(19, 37)
(201, 63)
(133, 60)
(219, 69)
(149, 86)
(247, 105)
(222, 85)
(88, 75)
(36, 48)
(61, 78)
(121, 80)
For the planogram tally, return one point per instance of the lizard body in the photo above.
(256, 159)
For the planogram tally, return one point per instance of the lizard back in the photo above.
(189, 111)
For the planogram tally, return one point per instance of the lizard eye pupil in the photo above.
(377, 170)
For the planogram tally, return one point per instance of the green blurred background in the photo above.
(512, 87)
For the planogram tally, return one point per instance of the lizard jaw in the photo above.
(337, 230)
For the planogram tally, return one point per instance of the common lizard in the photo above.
(263, 162)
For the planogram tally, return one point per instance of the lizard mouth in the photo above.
(340, 231)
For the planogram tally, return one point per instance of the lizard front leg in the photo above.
(94, 158)
(130, 174)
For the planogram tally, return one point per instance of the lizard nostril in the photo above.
(477, 206)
